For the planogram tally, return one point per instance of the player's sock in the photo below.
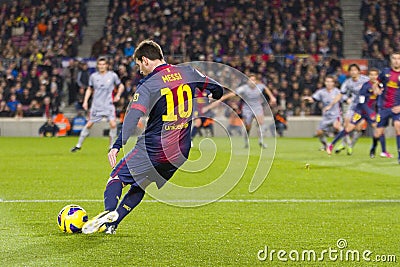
(382, 140)
(112, 194)
(113, 136)
(246, 138)
(131, 199)
(356, 135)
(339, 136)
(346, 141)
(398, 145)
(373, 147)
(322, 138)
(82, 136)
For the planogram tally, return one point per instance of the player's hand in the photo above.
(374, 124)
(272, 101)
(348, 101)
(85, 105)
(112, 157)
(116, 98)
(396, 109)
(205, 109)
(325, 109)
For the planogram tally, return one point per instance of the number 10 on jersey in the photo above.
(183, 112)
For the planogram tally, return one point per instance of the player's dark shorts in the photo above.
(384, 115)
(358, 116)
(147, 173)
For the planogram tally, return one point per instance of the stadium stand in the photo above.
(262, 37)
(382, 29)
(35, 36)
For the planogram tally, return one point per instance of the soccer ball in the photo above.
(71, 218)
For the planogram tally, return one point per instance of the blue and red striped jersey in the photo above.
(167, 95)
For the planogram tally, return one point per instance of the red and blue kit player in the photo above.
(200, 118)
(364, 107)
(166, 94)
(390, 105)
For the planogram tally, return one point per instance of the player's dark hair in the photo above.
(355, 66)
(373, 69)
(102, 59)
(397, 52)
(149, 49)
(330, 77)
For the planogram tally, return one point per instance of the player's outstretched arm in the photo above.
(272, 98)
(216, 103)
(121, 89)
(130, 124)
(335, 100)
(88, 93)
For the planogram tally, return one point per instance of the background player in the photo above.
(348, 92)
(364, 106)
(200, 118)
(166, 93)
(102, 84)
(390, 106)
(330, 113)
(252, 98)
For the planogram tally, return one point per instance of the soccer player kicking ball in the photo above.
(166, 93)
(364, 107)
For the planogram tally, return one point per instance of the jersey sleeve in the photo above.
(241, 90)
(91, 81)
(363, 97)
(117, 80)
(382, 76)
(137, 108)
(317, 95)
(204, 82)
(343, 88)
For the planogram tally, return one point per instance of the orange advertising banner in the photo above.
(363, 63)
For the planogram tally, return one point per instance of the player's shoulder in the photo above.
(386, 71)
(366, 87)
(94, 74)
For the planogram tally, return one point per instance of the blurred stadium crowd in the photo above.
(290, 45)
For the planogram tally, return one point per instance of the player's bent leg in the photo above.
(397, 129)
(260, 124)
(377, 134)
(322, 138)
(346, 140)
(131, 199)
(112, 194)
(339, 136)
(82, 136)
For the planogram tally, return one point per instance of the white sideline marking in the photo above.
(221, 200)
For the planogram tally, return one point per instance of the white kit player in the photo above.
(252, 108)
(101, 84)
(330, 112)
(348, 92)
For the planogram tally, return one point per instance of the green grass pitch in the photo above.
(340, 197)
